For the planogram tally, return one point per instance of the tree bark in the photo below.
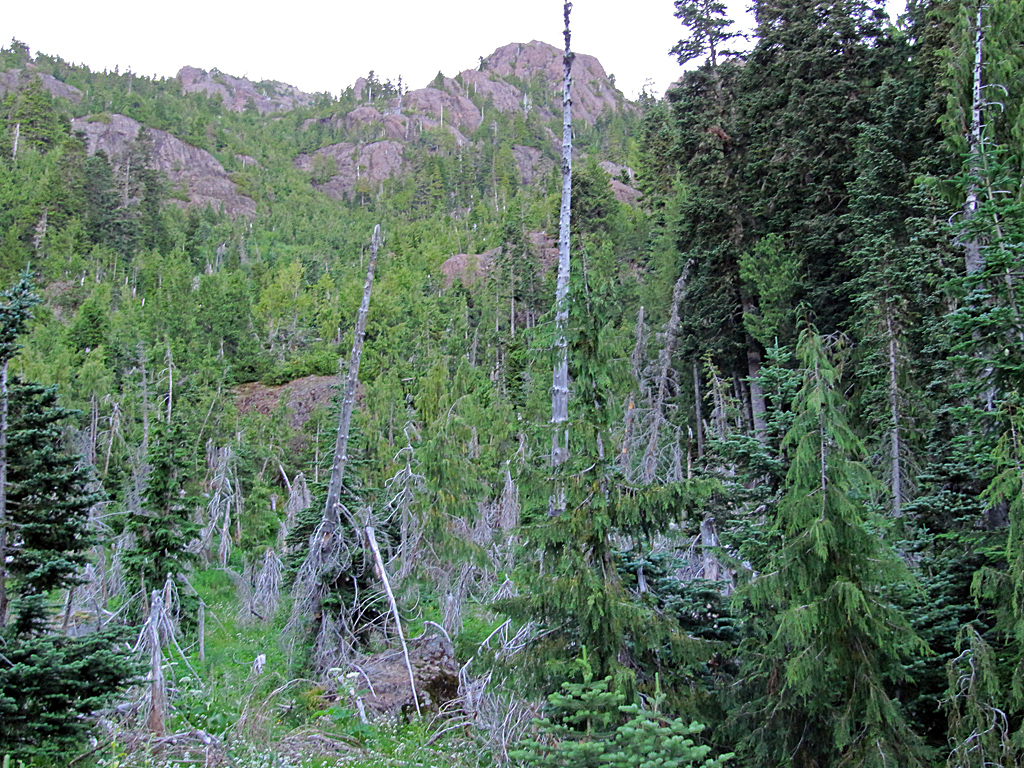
(698, 400)
(3, 494)
(560, 383)
(650, 458)
(332, 507)
(972, 249)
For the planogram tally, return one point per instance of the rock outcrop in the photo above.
(515, 79)
(371, 164)
(16, 79)
(624, 192)
(593, 93)
(469, 268)
(196, 171)
(238, 93)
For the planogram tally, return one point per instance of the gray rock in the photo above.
(197, 171)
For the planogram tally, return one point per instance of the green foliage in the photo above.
(49, 683)
(164, 525)
(587, 725)
(822, 684)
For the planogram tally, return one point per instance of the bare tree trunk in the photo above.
(972, 249)
(649, 465)
(708, 542)
(625, 458)
(145, 400)
(698, 400)
(331, 509)
(758, 406)
(560, 383)
(170, 381)
(383, 574)
(3, 494)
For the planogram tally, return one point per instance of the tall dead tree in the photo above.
(665, 372)
(972, 248)
(329, 552)
(332, 507)
(560, 384)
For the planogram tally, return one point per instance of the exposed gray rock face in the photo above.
(592, 92)
(624, 193)
(436, 107)
(461, 105)
(474, 268)
(469, 268)
(238, 93)
(533, 165)
(196, 170)
(371, 164)
(16, 79)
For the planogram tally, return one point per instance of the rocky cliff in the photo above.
(517, 79)
(195, 170)
(238, 94)
(16, 79)
(382, 138)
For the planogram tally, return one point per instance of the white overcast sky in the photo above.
(325, 46)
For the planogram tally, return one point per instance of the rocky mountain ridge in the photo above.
(517, 79)
(238, 93)
(197, 173)
(383, 137)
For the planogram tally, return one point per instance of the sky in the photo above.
(325, 46)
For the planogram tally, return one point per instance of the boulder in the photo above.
(383, 684)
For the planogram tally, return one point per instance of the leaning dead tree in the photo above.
(329, 551)
(333, 505)
(560, 383)
(663, 384)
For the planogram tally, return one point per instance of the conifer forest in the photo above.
(506, 421)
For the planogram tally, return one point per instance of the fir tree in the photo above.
(164, 526)
(49, 683)
(834, 644)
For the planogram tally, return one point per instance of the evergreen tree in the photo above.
(164, 526)
(49, 683)
(822, 676)
(804, 89)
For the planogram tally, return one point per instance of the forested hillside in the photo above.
(292, 471)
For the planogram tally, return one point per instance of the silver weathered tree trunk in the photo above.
(3, 494)
(331, 508)
(698, 400)
(382, 574)
(972, 248)
(650, 460)
(560, 383)
(145, 399)
(758, 405)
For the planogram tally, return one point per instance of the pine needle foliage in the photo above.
(821, 686)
